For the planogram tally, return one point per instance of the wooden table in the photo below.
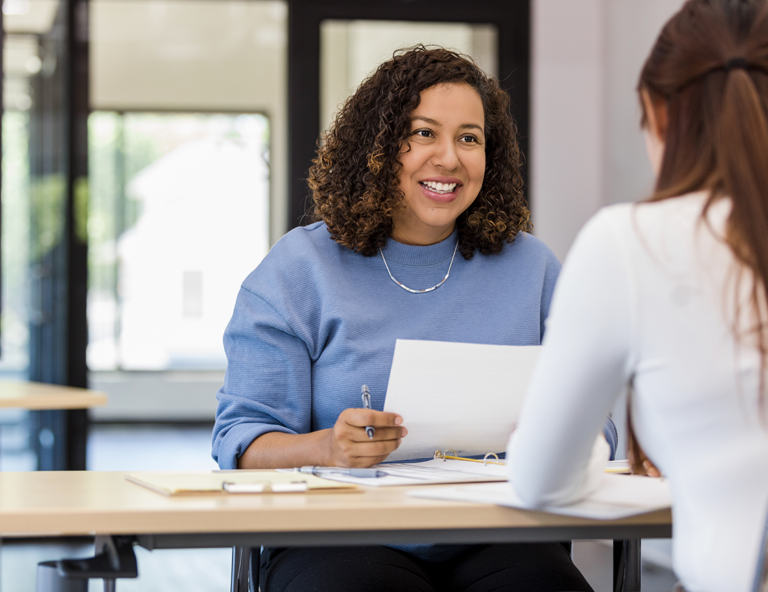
(37, 396)
(44, 504)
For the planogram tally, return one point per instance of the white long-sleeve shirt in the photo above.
(647, 296)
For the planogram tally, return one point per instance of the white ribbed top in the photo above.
(647, 295)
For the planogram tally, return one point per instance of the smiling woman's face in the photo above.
(443, 163)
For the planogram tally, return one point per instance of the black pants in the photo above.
(543, 567)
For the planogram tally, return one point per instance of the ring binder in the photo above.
(445, 456)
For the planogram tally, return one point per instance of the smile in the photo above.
(439, 187)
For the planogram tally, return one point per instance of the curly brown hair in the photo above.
(354, 179)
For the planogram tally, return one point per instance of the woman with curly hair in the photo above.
(419, 233)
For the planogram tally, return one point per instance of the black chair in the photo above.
(245, 570)
(114, 559)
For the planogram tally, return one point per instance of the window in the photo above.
(178, 217)
(187, 175)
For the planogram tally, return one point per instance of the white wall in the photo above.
(587, 150)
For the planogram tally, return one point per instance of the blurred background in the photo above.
(154, 150)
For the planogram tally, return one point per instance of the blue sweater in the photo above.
(315, 320)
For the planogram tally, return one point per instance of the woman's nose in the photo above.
(445, 155)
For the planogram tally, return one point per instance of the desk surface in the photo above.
(37, 396)
(82, 503)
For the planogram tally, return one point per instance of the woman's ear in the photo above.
(656, 115)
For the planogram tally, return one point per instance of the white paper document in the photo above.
(460, 396)
(436, 471)
(617, 497)
(429, 472)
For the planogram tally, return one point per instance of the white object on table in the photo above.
(464, 397)
(618, 496)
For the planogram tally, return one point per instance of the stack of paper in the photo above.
(617, 497)
(437, 471)
(431, 472)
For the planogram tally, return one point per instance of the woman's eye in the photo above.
(469, 139)
(423, 133)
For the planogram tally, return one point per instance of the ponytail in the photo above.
(709, 67)
(743, 161)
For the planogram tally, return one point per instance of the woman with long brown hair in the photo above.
(669, 297)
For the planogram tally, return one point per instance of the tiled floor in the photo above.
(199, 570)
(203, 570)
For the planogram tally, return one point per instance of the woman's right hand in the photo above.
(650, 470)
(349, 445)
(640, 464)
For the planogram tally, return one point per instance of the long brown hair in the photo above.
(709, 68)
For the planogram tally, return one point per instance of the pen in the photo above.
(318, 471)
(367, 404)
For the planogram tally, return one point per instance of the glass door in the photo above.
(187, 149)
(44, 242)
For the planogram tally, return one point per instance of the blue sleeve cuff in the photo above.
(612, 436)
(229, 447)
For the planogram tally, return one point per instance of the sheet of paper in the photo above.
(618, 466)
(460, 396)
(430, 472)
(617, 497)
(434, 472)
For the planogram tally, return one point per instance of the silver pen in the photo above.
(367, 404)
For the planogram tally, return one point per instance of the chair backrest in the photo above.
(761, 573)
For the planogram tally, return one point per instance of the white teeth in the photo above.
(440, 187)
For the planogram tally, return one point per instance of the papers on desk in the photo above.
(431, 472)
(618, 496)
(620, 467)
(240, 481)
(464, 397)
(439, 471)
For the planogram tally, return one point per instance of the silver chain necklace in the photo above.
(411, 290)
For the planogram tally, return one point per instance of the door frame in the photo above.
(512, 19)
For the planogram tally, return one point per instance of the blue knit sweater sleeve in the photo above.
(260, 371)
(551, 273)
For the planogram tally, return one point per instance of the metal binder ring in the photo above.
(446, 455)
(485, 458)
